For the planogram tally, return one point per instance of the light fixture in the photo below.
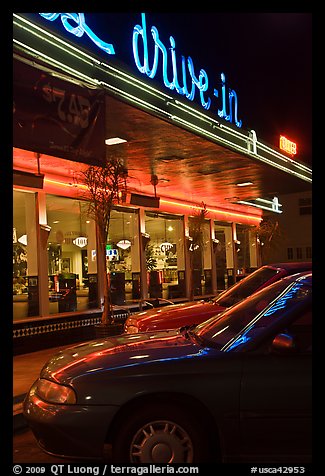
(81, 241)
(124, 244)
(165, 246)
(244, 184)
(23, 239)
(115, 141)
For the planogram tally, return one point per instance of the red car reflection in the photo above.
(195, 312)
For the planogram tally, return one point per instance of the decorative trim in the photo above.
(35, 328)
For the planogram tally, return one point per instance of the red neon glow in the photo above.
(288, 146)
(60, 177)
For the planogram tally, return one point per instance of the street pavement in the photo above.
(26, 369)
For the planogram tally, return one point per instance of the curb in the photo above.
(19, 422)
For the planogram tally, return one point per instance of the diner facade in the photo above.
(186, 168)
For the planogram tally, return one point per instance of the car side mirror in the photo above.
(283, 343)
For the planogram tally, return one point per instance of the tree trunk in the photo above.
(107, 314)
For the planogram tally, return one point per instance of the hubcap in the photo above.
(161, 442)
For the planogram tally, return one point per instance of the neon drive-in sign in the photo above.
(163, 59)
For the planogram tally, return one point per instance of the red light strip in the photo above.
(180, 206)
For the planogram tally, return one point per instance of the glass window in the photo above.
(25, 266)
(290, 253)
(299, 253)
(123, 257)
(242, 321)
(200, 256)
(247, 286)
(71, 255)
(309, 252)
(243, 249)
(165, 257)
(305, 206)
(223, 254)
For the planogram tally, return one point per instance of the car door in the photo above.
(275, 400)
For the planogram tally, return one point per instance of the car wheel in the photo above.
(160, 434)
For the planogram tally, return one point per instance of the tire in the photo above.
(160, 433)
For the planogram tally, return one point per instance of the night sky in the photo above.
(266, 58)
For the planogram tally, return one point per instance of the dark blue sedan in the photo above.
(234, 388)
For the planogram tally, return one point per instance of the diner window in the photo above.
(200, 256)
(72, 271)
(242, 246)
(25, 265)
(165, 258)
(122, 255)
(223, 254)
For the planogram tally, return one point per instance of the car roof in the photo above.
(299, 265)
(306, 277)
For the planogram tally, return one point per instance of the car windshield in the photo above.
(246, 287)
(238, 324)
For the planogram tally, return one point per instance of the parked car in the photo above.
(234, 388)
(195, 312)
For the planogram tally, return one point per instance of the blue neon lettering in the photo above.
(233, 96)
(222, 112)
(140, 31)
(80, 29)
(200, 83)
(189, 82)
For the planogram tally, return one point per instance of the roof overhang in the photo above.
(194, 156)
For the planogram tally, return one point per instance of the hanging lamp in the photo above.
(123, 244)
(165, 246)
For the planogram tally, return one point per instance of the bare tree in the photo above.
(196, 242)
(106, 187)
(271, 237)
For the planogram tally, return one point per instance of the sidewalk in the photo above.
(26, 369)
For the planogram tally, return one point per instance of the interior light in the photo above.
(81, 241)
(114, 141)
(124, 244)
(23, 239)
(165, 246)
(244, 184)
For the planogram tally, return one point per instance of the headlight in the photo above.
(53, 392)
(131, 326)
(131, 330)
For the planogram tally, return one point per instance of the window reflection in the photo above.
(165, 259)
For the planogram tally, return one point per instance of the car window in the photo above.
(246, 287)
(240, 323)
(301, 331)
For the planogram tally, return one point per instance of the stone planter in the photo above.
(106, 330)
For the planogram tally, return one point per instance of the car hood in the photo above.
(177, 315)
(117, 352)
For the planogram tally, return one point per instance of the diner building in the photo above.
(75, 105)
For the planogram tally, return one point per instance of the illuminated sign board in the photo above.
(272, 205)
(81, 241)
(288, 146)
(163, 59)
